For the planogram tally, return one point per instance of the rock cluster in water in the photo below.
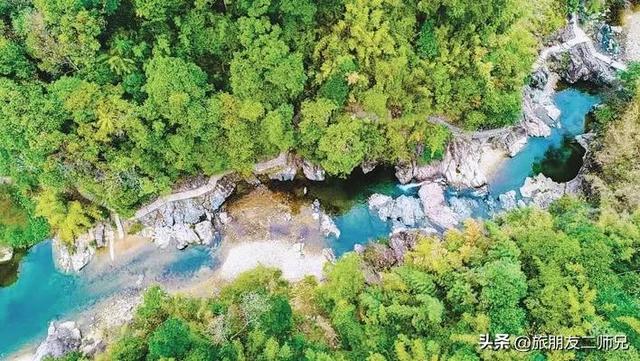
(429, 211)
(189, 217)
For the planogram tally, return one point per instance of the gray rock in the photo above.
(382, 204)
(103, 234)
(283, 168)
(205, 232)
(287, 173)
(188, 211)
(462, 163)
(541, 191)
(328, 227)
(402, 211)
(435, 206)
(183, 235)
(463, 207)
(326, 224)
(368, 166)
(539, 78)
(515, 142)
(407, 211)
(92, 344)
(312, 172)
(431, 172)
(585, 141)
(329, 255)
(404, 173)
(379, 256)
(508, 200)
(224, 188)
(161, 236)
(402, 242)
(538, 114)
(62, 338)
(188, 221)
(580, 63)
(6, 254)
(73, 260)
(164, 215)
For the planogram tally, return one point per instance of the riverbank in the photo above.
(261, 227)
(266, 227)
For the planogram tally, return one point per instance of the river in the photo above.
(41, 293)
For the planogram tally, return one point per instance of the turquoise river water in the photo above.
(41, 293)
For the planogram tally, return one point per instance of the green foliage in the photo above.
(19, 227)
(342, 146)
(567, 271)
(616, 182)
(427, 46)
(72, 356)
(266, 70)
(170, 340)
(106, 104)
(129, 348)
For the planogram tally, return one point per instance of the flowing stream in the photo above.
(40, 293)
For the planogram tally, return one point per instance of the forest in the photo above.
(570, 270)
(106, 104)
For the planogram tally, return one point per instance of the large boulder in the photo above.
(103, 234)
(582, 64)
(463, 207)
(205, 232)
(184, 235)
(73, 258)
(327, 226)
(380, 257)
(431, 171)
(404, 173)
(541, 191)
(402, 211)
(62, 338)
(381, 204)
(435, 206)
(407, 211)
(286, 173)
(462, 163)
(368, 166)
(508, 201)
(312, 171)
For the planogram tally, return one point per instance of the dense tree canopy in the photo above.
(106, 104)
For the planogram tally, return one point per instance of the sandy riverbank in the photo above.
(291, 259)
